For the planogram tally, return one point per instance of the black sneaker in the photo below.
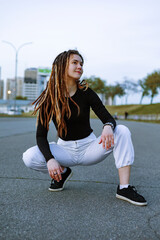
(58, 186)
(130, 194)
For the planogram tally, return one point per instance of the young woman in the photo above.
(66, 101)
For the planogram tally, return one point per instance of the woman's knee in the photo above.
(122, 130)
(28, 158)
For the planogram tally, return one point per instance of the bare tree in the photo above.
(129, 86)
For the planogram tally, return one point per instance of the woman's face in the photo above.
(75, 68)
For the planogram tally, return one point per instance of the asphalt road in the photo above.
(87, 209)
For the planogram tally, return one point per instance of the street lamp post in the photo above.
(16, 65)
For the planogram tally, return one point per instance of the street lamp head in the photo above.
(16, 49)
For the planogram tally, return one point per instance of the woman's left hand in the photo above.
(107, 137)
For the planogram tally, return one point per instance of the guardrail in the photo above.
(141, 117)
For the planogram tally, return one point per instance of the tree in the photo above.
(152, 82)
(97, 84)
(21, 98)
(112, 91)
(144, 89)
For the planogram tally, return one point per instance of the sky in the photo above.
(117, 38)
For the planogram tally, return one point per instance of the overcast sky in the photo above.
(117, 38)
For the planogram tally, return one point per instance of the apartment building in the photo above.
(10, 87)
(35, 80)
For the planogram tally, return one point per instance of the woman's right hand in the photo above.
(54, 169)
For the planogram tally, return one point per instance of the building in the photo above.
(1, 88)
(10, 87)
(30, 87)
(105, 101)
(20, 81)
(35, 80)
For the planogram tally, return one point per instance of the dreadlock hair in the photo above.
(54, 100)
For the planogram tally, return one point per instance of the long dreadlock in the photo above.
(54, 100)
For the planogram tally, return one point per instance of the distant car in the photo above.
(14, 112)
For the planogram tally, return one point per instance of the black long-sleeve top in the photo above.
(78, 126)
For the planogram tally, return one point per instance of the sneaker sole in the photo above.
(131, 201)
(60, 189)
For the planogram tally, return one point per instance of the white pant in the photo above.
(84, 152)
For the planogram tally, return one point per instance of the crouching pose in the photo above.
(67, 101)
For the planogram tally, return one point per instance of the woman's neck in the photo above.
(72, 88)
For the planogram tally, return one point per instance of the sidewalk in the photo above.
(87, 209)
